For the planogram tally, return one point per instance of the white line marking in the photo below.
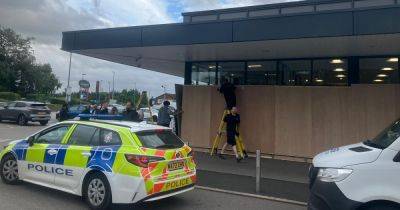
(5, 140)
(253, 195)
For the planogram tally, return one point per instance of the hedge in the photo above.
(10, 96)
(37, 97)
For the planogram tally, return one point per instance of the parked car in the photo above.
(73, 111)
(119, 107)
(146, 113)
(24, 111)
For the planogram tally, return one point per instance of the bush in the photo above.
(57, 100)
(54, 107)
(37, 97)
(10, 96)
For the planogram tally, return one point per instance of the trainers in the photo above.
(239, 159)
(245, 154)
(221, 156)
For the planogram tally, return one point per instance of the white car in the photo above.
(359, 176)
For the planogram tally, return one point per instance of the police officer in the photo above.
(164, 114)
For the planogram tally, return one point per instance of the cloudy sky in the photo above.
(46, 19)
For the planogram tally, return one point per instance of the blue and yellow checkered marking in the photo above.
(101, 158)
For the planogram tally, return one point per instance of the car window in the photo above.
(12, 104)
(20, 104)
(84, 135)
(73, 109)
(159, 139)
(52, 136)
(108, 138)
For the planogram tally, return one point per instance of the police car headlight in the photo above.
(333, 174)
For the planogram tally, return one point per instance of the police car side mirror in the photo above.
(30, 140)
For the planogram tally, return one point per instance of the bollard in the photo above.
(258, 171)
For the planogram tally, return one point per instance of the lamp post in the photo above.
(165, 92)
(68, 90)
(113, 85)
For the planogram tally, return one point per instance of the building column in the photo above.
(188, 73)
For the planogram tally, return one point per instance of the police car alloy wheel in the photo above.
(9, 170)
(98, 194)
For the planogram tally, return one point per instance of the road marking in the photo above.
(253, 195)
(5, 140)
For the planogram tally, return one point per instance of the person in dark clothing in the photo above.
(104, 109)
(63, 114)
(164, 114)
(130, 114)
(228, 89)
(86, 110)
(232, 121)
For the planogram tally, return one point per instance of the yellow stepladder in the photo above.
(217, 140)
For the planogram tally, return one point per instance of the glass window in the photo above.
(261, 73)
(233, 71)
(379, 70)
(108, 138)
(295, 72)
(159, 139)
(83, 135)
(20, 104)
(204, 73)
(12, 104)
(330, 72)
(52, 136)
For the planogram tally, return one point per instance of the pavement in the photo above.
(279, 178)
(285, 180)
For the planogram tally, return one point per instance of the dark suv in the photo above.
(24, 111)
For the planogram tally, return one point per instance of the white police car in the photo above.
(359, 176)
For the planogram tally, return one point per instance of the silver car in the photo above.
(24, 111)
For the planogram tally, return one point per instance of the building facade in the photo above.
(311, 75)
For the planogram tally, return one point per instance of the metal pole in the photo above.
(69, 77)
(258, 170)
(113, 86)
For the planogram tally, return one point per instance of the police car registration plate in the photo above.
(176, 165)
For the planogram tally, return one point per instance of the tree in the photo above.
(18, 70)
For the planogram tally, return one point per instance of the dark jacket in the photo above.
(131, 115)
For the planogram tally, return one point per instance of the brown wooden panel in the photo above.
(257, 110)
(293, 121)
(196, 105)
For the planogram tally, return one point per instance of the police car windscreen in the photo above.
(159, 139)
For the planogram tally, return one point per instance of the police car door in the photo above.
(41, 158)
(78, 153)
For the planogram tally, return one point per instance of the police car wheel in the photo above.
(98, 193)
(9, 170)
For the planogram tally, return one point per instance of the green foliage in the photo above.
(37, 97)
(18, 70)
(9, 96)
(55, 100)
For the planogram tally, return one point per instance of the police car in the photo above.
(105, 162)
(359, 176)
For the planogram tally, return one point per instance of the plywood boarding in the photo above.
(197, 115)
(294, 121)
(258, 117)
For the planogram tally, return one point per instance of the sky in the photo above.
(45, 20)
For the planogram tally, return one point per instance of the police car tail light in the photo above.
(142, 160)
(333, 174)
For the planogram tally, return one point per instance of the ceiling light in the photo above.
(393, 60)
(378, 80)
(382, 75)
(336, 61)
(211, 67)
(255, 66)
(340, 76)
(319, 80)
(232, 75)
(387, 69)
(339, 70)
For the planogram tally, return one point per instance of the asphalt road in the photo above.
(29, 196)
